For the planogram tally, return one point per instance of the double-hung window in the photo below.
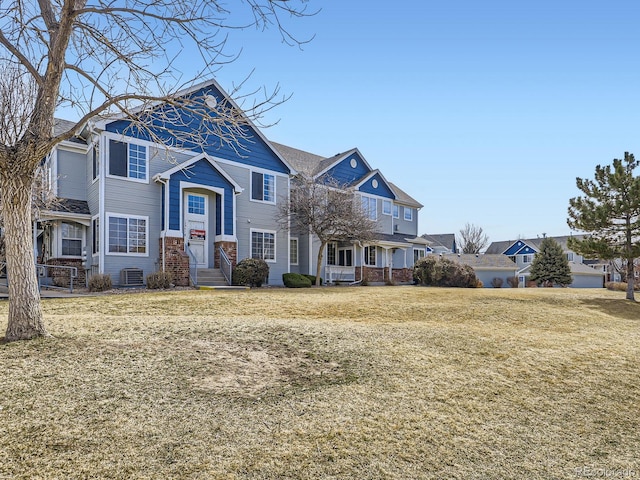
(396, 211)
(263, 187)
(386, 207)
(418, 253)
(263, 245)
(332, 249)
(408, 214)
(72, 234)
(127, 160)
(127, 234)
(370, 206)
(370, 255)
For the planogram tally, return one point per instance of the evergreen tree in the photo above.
(610, 212)
(550, 265)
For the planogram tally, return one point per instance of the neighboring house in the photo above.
(441, 243)
(396, 247)
(129, 206)
(487, 266)
(522, 252)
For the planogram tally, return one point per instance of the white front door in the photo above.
(196, 227)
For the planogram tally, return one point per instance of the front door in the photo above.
(196, 227)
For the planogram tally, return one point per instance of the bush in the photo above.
(100, 283)
(621, 286)
(295, 280)
(159, 280)
(312, 278)
(442, 272)
(497, 282)
(252, 272)
(513, 282)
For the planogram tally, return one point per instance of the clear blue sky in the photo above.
(485, 112)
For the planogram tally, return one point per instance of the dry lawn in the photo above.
(362, 383)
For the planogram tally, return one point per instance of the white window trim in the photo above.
(366, 257)
(395, 208)
(375, 199)
(108, 216)
(297, 250)
(387, 202)
(96, 145)
(275, 243)
(410, 211)
(126, 141)
(263, 173)
(83, 239)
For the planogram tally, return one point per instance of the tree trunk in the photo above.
(630, 279)
(25, 313)
(319, 263)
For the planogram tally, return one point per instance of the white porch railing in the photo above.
(339, 273)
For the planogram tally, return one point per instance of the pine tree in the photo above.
(550, 265)
(610, 212)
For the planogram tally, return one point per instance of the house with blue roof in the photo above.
(585, 274)
(194, 197)
(390, 256)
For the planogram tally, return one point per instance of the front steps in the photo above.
(211, 277)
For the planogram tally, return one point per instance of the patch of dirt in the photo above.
(251, 371)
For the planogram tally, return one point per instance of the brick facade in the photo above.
(61, 277)
(381, 275)
(230, 248)
(177, 260)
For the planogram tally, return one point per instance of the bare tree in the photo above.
(105, 58)
(472, 239)
(327, 209)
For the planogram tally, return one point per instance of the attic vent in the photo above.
(130, 277)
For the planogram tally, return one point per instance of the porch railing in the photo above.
(225, 265)
(42, 272)
(193, 266)
(338, 273)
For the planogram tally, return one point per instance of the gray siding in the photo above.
(72, 175)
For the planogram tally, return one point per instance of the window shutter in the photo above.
(117, 158)
(256, 186)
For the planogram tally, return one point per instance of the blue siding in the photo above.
(383, 189)
(519, 248)
(201, 173)
(252, 150)
(344, 173)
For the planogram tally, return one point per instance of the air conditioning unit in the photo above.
(130, 277)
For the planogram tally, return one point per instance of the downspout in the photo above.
(164, 182)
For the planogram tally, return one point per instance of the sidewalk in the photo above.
(46, 293)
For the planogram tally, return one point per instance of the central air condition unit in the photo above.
(130, 277)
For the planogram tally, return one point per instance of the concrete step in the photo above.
(211, 277)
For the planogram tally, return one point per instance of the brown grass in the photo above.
(366, 383)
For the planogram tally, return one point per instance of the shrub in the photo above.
(442, 272)
(621, 286)
(252, 272)
(312, 278)
(497, 282)
(159, 280)
(100, 283)
(513, 282)
(295, 280)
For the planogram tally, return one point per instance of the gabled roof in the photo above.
(503, 246)
(316, 165)
(211, 84)
(446, 240)
(185, 166)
